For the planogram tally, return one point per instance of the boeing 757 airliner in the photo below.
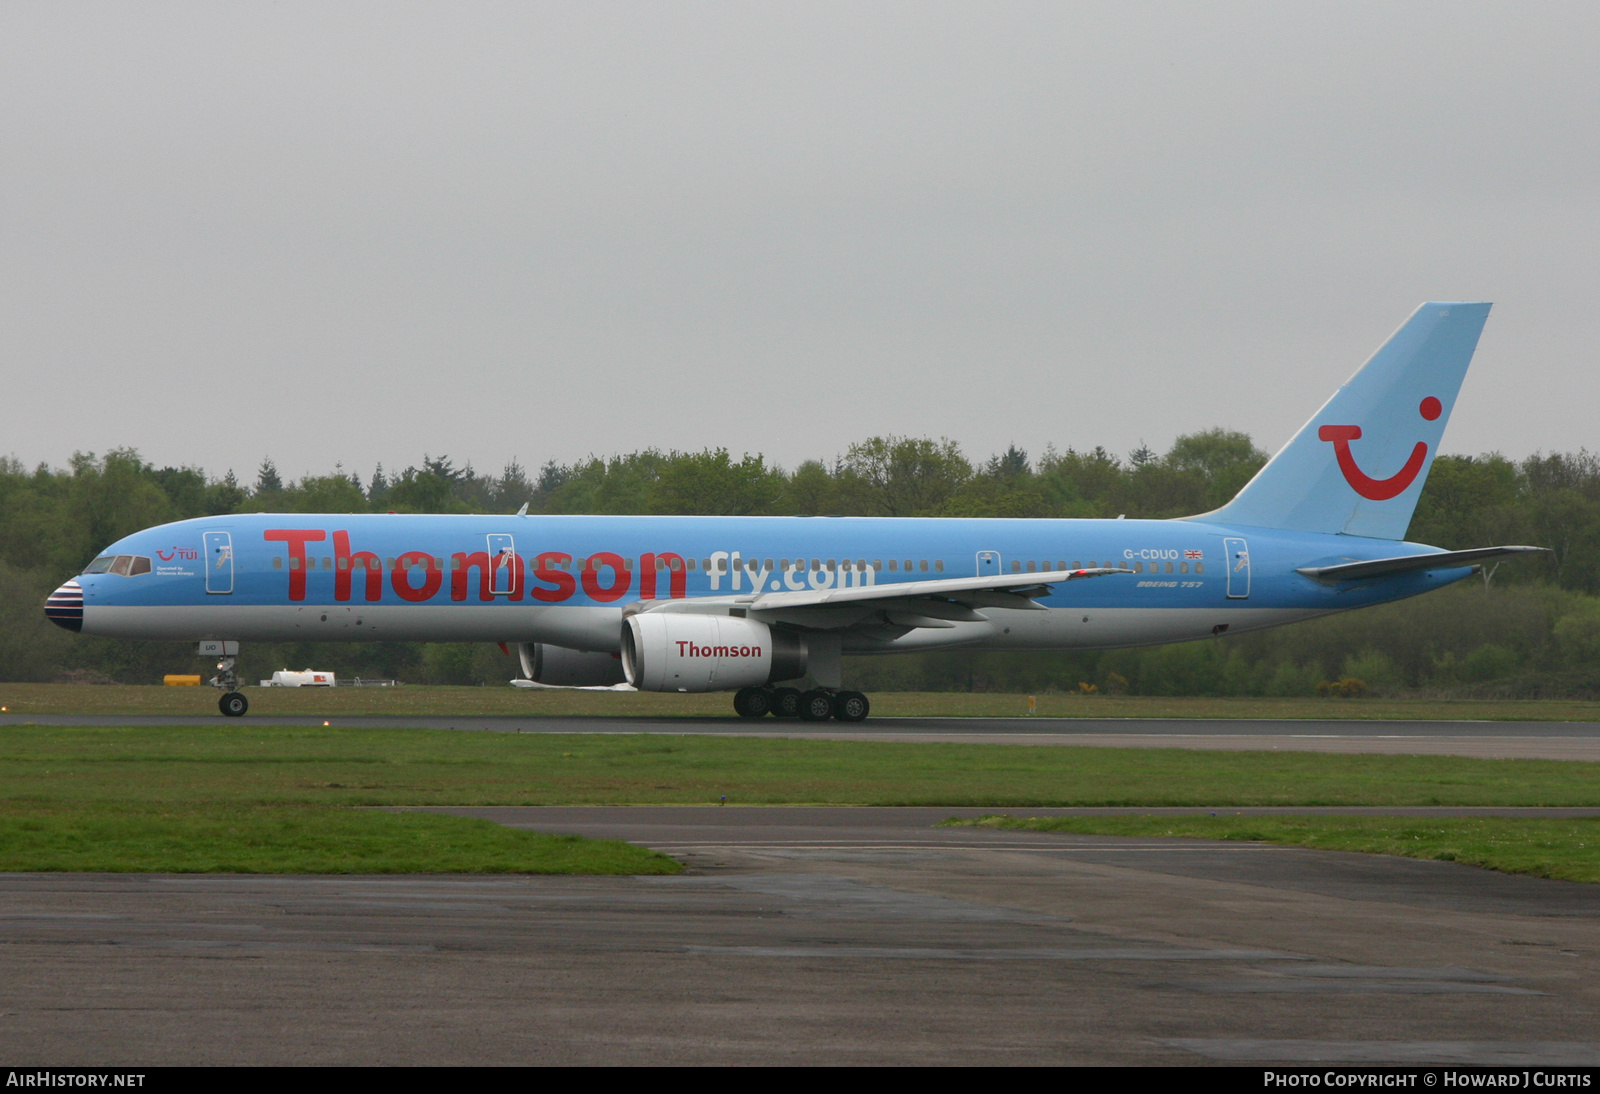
(765, 606)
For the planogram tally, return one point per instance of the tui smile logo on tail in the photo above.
(1368, 487)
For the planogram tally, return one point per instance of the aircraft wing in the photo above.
(939, 603)
(1405, 564)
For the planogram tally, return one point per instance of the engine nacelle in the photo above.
(672, 651)
(561, 667)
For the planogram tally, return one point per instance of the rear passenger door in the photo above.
(1237, 552)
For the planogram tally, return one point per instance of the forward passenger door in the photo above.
(218, 562)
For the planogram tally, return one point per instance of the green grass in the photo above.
(267, 801)
(319, 765)
(245, 838)
(1564, 849)
(414, 700)
(254, 797)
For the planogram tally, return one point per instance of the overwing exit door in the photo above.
(988, 563)
(502, 562)
(1237, 553)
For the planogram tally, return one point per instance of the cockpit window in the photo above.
(124, 565)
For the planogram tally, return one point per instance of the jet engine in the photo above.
(672, 651)
(561, 667)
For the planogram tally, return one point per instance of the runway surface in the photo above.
(1493, 740)
(829, 935)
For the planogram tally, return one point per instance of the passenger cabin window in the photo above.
(277, 563)
(938, 565)
(1199, 567)
(924, 566)
(894, 565)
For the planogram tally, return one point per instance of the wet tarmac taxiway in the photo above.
(831, 935)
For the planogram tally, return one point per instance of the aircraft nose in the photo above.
(65, 606)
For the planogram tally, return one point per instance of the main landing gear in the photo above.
(817, 705)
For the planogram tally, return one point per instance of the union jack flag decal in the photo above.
(1194, 554)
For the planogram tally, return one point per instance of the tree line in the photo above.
(1529, 627)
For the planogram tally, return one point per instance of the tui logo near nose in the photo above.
(64, 607)
(1368, 487)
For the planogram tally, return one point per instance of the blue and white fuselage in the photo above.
(712, 603)
(568, 580)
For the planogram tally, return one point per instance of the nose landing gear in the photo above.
(232, 703)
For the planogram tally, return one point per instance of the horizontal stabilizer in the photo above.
(1405, 564)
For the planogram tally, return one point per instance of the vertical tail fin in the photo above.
(1358, 465)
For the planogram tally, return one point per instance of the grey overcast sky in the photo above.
(360, 232)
